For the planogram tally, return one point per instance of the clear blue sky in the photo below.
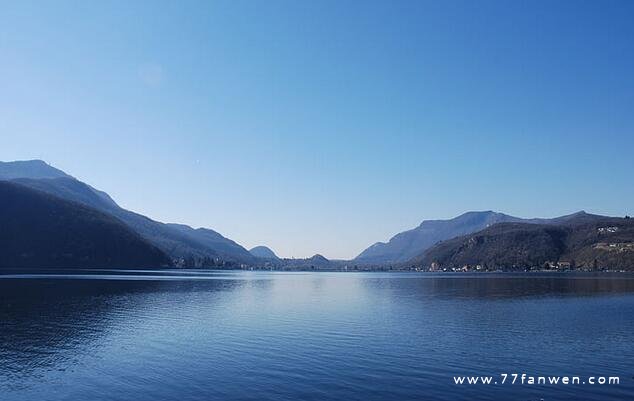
(319, 126)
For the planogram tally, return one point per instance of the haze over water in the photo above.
(312, 336)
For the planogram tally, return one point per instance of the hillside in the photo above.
(586, 242)
(263, 252)
(408, 244)
(187, 246)
(43, 231)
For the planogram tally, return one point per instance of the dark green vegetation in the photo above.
(43, 231)
(584, 241)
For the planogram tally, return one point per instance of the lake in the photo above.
(224, 335)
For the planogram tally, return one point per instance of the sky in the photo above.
(325, 126)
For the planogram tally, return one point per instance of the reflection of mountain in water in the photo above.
(188, 335)
(46, 322)
(485, 286)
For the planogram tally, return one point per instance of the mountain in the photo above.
(315, 262)
(71, 189)
(43, 231)
(263, 252)
(207, 240)
(29, 169)
(583, 241)
(187, 246)
(408, 244)
(318, 259)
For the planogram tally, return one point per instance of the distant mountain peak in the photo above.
(577, 240)
(408, 244)
(36, 169)
(263, 252)
(318, 258)
(470, 216)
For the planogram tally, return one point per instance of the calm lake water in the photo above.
(311, 336)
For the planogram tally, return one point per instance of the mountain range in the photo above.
(582, 241)
(484, 238)
(186, 246)
(408, 244)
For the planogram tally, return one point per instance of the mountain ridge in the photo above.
(203, 247)
(187, 246)
(410, 243)
(584, 241)
(40, 230)
(34, 168)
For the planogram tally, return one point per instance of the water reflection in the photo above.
(45, 322)
(329, 336)
(494, 286)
